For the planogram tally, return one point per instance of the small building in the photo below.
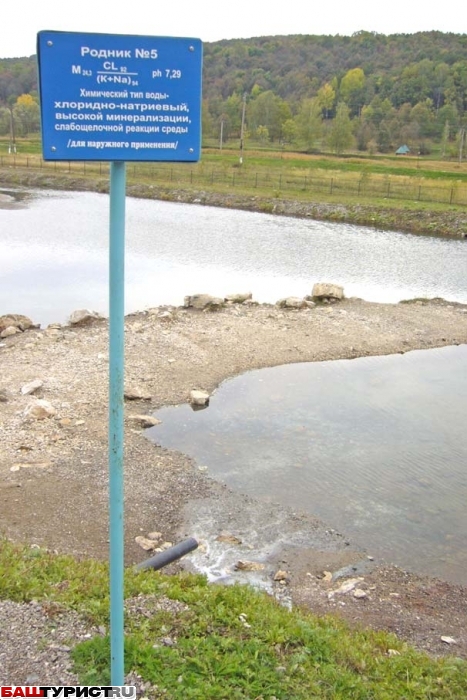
(402, 150)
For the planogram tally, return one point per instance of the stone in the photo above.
(203, 301)
(238, 298)
(359, 593)
(10, 330)
(147, 545)
(31, 387)
(345, 587)
(165, 316)
(327, 290)
(199, 398)
(82, 317)
(448, 640)
(145, 421)
(249, 566)
(281, 575)
(155, 536)
(136, 394)
(228, 538)
(39, 410)
(292, 303)
(4, 395)
(17, 321)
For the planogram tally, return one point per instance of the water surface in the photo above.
(54, 248)
(377, 447)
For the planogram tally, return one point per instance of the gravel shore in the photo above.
(53, 471)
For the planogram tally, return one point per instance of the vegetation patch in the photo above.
(225, 642)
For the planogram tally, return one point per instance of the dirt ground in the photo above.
(54, 474)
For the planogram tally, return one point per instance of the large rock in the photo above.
(9, 330)
(203, 301)
(39, 410)
(327, 290)
(16, 321)
(81, 317)
(293, 303)
(238, 298)
(31, 387)
(199, 398)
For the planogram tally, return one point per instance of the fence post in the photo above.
(332, 182)
(389, 188)
(419, 192)
(452, 193)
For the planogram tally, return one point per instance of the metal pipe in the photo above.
(169, 555)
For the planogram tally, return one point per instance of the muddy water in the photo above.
(377, 447)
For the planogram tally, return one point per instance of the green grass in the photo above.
(278, 654)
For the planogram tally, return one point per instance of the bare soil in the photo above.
(54, 474)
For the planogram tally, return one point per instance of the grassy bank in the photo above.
(226, 642)
(413, 195)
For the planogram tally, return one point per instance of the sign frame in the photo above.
(115, 97)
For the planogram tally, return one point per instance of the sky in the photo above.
(211, 20)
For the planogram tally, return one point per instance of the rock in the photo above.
(39, 410)
(136, 394)
(249, 566)
(238, 298)
(203, 301)
(165, 316)
(31, 387)
(145, 421)
(327, 578)
(199, 398)
(147, 545)
(4, 395)
(82, 317)
(30, 465)
(17, 321)
(359, 593)
(326, 290)
(11, 330)
(345, 587)
(292, 303)
(228, 538)
(156, 536)
(448, 640)
(281, 575)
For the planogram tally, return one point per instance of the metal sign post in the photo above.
(117, 98)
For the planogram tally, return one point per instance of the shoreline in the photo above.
(59, 463)
(417, 221)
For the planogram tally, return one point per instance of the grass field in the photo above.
(349, 179)
(229, 641)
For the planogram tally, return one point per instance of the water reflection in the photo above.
(374, 446)
(54, 256)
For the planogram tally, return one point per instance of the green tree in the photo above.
(352, 90)
(309, 122)
(27, 114)
(326, 98)
(340, 134)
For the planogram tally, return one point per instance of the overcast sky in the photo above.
(211, 20)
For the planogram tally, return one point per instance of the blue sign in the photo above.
(119, 98)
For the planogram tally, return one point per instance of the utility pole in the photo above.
(461, 144)
(12, 146)
(242, 131)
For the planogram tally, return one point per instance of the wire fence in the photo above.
(366, 186)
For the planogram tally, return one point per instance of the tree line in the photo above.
(369, 91)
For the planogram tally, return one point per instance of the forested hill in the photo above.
(295, 67)
(368, 91)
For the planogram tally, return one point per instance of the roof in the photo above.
(402, 150)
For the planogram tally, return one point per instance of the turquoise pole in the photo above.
(116, 376)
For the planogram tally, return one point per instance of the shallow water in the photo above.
(376, 447)
(54, 248)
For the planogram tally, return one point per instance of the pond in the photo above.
(376, 447)
(54, 249)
